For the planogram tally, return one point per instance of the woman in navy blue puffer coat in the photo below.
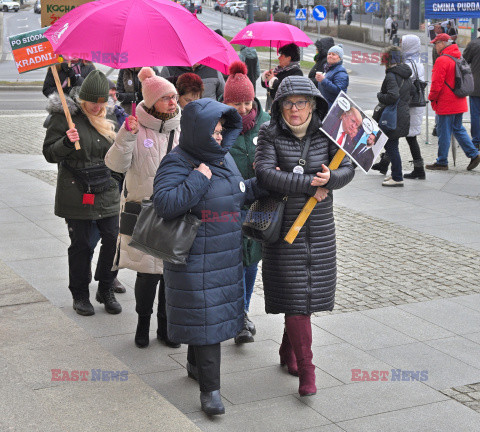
(205, 297)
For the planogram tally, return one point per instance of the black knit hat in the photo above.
(94, 88)
(290, 50)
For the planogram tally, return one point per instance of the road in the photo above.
(365, 78)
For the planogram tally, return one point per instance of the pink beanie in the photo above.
(153, 86)
(238, 87)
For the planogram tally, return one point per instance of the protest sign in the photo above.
(353, 131)
(52, 10)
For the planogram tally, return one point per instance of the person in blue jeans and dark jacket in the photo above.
(204, 297)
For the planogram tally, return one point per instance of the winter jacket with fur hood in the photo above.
(411, 47)
(299, 278)
(93, 147)
(396, 86)
(139, 155)
(444, 101)
(205, 297)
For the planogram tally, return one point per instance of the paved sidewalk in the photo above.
(408, 301)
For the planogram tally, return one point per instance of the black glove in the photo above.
(68, 70)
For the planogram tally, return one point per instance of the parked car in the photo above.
(6, 6)
(37, 7)
(236, 6)
(242, 12)
(193, 6)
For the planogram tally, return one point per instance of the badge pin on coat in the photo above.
(242, 186)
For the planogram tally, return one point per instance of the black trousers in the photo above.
(145, 292)
(80, 250)
(414, 148)
(207, 359)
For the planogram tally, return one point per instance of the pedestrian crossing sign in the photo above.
(301, 14)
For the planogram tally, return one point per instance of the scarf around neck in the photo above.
(292, 65)
(249, 120)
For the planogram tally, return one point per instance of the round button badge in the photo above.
(242, 186)
(148, 143)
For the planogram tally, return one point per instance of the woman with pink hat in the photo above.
(141, 144)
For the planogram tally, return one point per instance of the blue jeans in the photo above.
(249, 275)
(391, 147)
(475, 119)
(448, 124)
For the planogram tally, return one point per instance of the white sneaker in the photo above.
(387, 178)
(392, 183)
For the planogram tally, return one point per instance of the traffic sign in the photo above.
(372, 7)
(300, 14)
(347, 3)
(319, 13)
(222, 3)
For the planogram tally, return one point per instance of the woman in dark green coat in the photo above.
(239, 93)
(80, 198)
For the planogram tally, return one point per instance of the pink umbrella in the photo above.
(133, 33)
(272, 34)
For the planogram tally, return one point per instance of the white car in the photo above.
(6, 6)
(236, 6)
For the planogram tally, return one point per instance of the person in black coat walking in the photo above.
(288, 65)
(396, 90)
(205, 297)
(299, 279)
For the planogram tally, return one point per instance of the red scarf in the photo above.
(249, 121)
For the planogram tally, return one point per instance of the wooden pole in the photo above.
(311, 203)
(53, 68)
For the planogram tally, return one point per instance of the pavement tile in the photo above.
(338, 360)
(265, 383)
(368, 398)
(407, 323)
(460, 348)
(440, 416)
(471, 301)
(154, 358)
(32, 248)
(9, 215)
(282, 414)
(21, 231)
(447, 314)
(443, 370)
(361, 331)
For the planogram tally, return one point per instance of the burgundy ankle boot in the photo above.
(287, 356)
(299, 330)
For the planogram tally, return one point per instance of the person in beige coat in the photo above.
(140, 145)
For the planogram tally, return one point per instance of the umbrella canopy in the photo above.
(271, 33)
(133, 33)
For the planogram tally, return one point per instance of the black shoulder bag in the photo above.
(263, 221)
(418, 89)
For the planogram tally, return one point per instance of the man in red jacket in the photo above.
(448, 106)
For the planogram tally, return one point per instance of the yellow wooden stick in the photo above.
(64, 102)
(311, 203)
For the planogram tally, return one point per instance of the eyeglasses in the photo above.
(218, 133)
(167, 99)
(300, 105)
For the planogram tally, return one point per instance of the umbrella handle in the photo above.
(134, 109)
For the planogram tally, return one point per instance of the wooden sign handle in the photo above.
(311, 203)
(64, 102)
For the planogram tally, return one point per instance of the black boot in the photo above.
(245, 335)
(212, 403)
(162, 335)
(83, 306)
(142, 338)
(383, 164)
(434, 131)
(106, 296)
(418, 171)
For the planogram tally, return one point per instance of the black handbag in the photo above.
(418, 90)
(263, 221)
(93, 179)
(131, 209)
(378, 111)
(169, 240)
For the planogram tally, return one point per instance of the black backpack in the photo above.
(463, 77)
(417, 91)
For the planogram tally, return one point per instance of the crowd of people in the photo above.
(195, 143)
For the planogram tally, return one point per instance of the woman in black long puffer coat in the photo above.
(299, 279)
